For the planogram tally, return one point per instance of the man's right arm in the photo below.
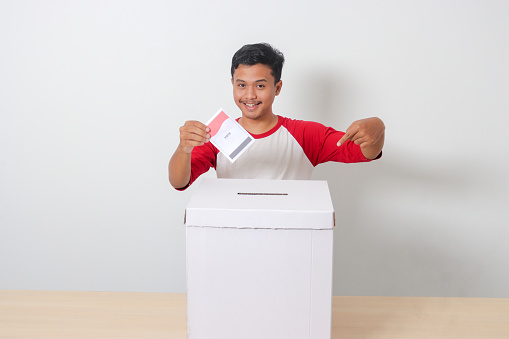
(192, 134)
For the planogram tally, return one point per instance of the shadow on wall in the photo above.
(321, 96)
(408, 228)
(385, 243)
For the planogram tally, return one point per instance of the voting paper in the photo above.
(228, 135)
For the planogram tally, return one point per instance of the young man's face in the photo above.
(254, 90)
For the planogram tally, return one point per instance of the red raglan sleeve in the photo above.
(319, 143)
(202, 159)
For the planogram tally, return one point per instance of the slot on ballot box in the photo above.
(259, 259)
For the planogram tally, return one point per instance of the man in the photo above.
(284, 148)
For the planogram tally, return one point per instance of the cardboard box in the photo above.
(259, 259)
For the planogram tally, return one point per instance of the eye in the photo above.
(260, 86)
(241, 85)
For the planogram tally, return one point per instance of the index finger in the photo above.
(343, 139)
(351, 134)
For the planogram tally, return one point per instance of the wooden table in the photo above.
(46, 314)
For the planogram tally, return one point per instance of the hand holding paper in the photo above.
(223, 131)
(192, 134)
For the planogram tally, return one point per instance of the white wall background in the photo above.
(92, 94)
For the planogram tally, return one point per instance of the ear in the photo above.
(232, 80)
(279, 85)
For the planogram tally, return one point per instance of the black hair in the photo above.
(261, 53)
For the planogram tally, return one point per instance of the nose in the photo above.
(250, 93)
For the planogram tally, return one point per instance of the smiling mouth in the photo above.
(251, 104)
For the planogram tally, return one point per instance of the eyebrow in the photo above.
(261, 80)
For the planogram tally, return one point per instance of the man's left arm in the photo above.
(369, 134)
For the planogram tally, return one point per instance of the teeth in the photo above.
(251, 105)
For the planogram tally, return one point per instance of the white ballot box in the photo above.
(259, 259)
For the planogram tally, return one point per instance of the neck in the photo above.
(260, 125)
